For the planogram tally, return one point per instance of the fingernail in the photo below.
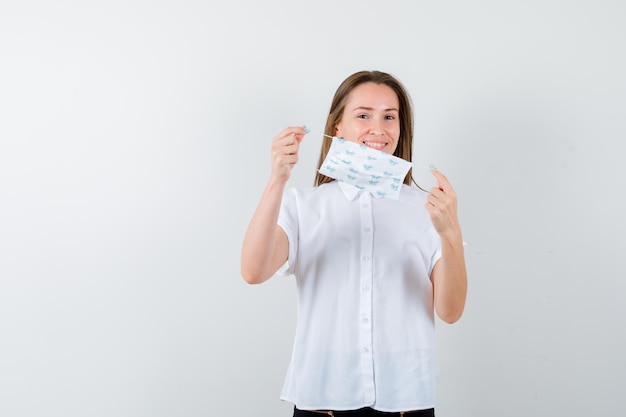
(306, 129)
(431, 166)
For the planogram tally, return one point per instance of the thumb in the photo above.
(300, 134)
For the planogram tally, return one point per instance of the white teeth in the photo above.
(375, 145)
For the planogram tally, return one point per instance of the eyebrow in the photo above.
(372, 109)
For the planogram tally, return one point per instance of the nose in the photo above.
(376, 128)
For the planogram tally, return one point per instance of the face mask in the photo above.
(368, 169)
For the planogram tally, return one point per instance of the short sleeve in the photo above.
(437, 255)
(288, 221)
(433, 260)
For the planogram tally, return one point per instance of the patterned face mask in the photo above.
(368, 169)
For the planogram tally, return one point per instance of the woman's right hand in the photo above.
(285, 148)
(266, 245)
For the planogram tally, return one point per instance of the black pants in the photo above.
(363, 412)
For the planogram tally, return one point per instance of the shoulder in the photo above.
(412, 195)
(314, 199)
(303, 202)
(323, 190)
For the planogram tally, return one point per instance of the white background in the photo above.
(134, 145)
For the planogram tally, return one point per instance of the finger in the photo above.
(292, 149)
(281, 160)
(442, 181)
(299, 136)
(287, 147)
(297, 132)
(437, 193)
(433, 200)
(430, 199)
(441, 200)
(287, 144)
(291, 159)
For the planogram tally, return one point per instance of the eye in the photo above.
(390, 117)
(362, 116)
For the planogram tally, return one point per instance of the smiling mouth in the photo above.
(375, 145)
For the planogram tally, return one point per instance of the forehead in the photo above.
(373, 95)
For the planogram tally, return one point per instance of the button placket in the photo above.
(365, 305)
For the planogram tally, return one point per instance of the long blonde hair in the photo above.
(404, 149)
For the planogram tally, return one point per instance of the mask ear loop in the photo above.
(417, 185)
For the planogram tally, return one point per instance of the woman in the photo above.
(370, 271)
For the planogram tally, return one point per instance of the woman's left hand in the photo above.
(441, 205)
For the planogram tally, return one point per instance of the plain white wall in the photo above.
(134, 145)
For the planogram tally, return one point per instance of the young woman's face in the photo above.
(371, 117)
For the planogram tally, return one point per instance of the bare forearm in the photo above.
(265, 245)
(450, 279)
(449, 276)
(258, 254)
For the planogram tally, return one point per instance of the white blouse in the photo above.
(365, 327)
